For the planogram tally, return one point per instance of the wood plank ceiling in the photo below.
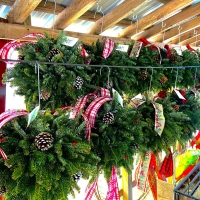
(174, 21)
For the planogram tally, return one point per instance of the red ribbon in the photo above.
(93, 108)
(146, 42)
(190, 48)
(84, 55)
(167, 165)
(8, 49)
(10, 114)
(3, 155)
(80, 104)
(168, 50)
(183, 94)
(108, 48)
(113, 189)
(91, 191)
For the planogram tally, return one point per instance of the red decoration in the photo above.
(189, 47)
(146, 42)
(2, 140)
(124, 82)
(125, 156)
(162, 94)
(168, 50)
(152, 181)
(11, 114)
(196, 141)
(167, 166)
(72, 87)
(136, 120)
(113, 189)
(36, 49)
(183, 94)
(3, 155)
(8, 49)
(74, 143)
(108, 47)
(91, 191)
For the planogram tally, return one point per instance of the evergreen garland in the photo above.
(119, 133)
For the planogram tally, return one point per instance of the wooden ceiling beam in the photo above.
(197, 43)
(16, 31)
(174, 32)
(115, 15)
(155, 16)
(72, 12)
(190, 40)
(21, 9)
(185, 36)
(50, 6)
(186, 13)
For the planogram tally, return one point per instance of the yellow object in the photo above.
(124, 184)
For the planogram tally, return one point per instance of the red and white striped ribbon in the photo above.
(80, 104)
(10, 114)
(87, 129)
(108, 47)
(7, 50)
(113, 189)
(84, 54)
(93, 108)
(105, 92)
(3, 155)
(91, 191)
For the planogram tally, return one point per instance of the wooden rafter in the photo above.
(115, 15)
(16, 31)
(190, 40)
(153, 17)
(187, 13)
(185, 36)
(21, 9)
(49, 7)
(175, 31)
(72, 12)
(197, 44)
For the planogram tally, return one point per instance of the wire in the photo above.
(110, 66)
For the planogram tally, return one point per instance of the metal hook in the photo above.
(134, 18)
(108, 72)
(151, 79)
(196, 35)
(162, 28)
(179, 30)
(98, 9)
(176, 78)
(163, 25)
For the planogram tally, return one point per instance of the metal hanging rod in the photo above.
(100, 66)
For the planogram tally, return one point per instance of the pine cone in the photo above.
(53, 53)
(176, 107)
(144, 75)
(174, 58)
(156, 58)
(21, 57)
(108, 118)
(78, 83)
(44, 94)
(77, 176)
(2, 190)
(44, 141)
(163, 80)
